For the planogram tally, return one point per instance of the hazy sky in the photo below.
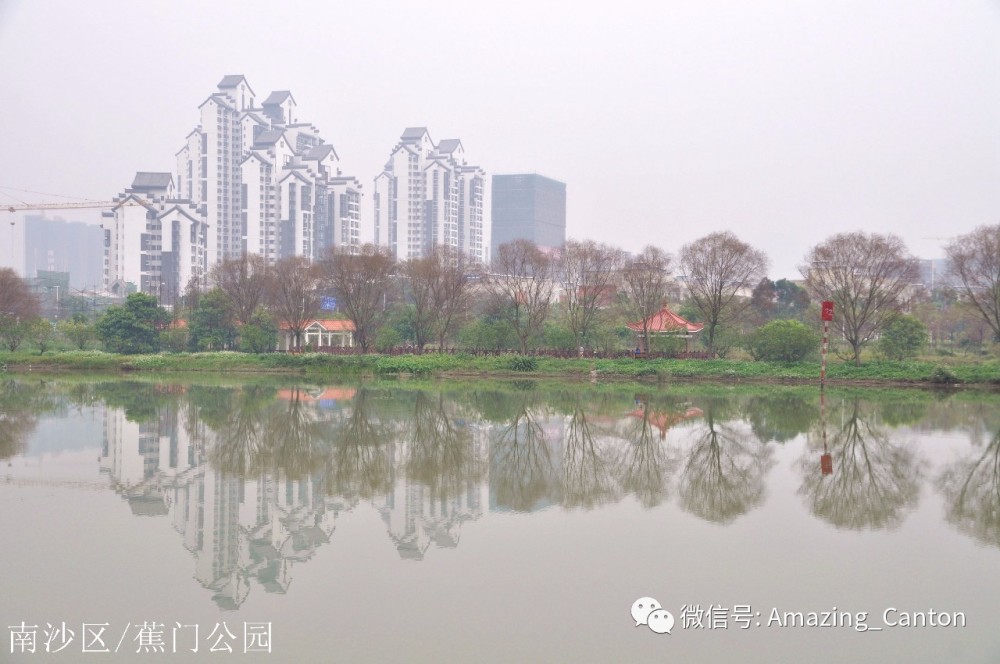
(783, 121)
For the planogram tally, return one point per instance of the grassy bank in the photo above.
(969, 372)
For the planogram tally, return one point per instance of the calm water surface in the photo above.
(483, 522)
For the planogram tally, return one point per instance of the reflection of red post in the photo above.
(826, 464)
(825, 460)
(827, 317)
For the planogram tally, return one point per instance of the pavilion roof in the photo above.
(665, 320)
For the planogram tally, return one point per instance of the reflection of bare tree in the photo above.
(971, 487)
(874, 480)
(292, 435)
(724, 474)
(20, 404)
(646, 464)
(360, 462)
(521, 468)
(441, 454)
(588, 469)
(241, 445)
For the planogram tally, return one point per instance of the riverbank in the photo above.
(955, 372)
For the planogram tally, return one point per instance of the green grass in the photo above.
(974, 371)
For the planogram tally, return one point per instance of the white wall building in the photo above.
(153, 241)
(249, 179)
(429, 195)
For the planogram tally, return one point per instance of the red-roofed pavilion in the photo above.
(666, 323)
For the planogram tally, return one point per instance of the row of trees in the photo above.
(443, 299)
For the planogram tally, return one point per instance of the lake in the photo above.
(496, 522)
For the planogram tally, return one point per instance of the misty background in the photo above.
(783, 121)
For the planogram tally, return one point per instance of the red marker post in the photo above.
(827, 317)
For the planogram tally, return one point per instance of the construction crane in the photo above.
(75, 204)
(65, 206)
(106, 205)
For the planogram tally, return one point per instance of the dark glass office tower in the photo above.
(531, 207)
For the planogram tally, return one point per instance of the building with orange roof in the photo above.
(666, 323)
(319, 334)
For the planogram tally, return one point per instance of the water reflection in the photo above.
(20, 405)
(971, 486)
(254, 478)
(647, 464)
(589, 462)
(523, 463)
(723, 476)
(875, 478)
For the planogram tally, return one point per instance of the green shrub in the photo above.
(388, 338)
(943, 376)
(902, 338)
(782, 341)
(174, 339)
(260, 335)
(522, 363)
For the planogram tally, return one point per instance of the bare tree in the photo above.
(644, 280)
(452, 292)
(292, 294)
(718, 267)
(975, 260)
(866, 277)
(590, 272)
(522, 284)
(440, 289)
(422, 274)
(244, 280)
(360, 283)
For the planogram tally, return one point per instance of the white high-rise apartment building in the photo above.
(249, 179)
(266, 183)
(153, 241)
(429, 195)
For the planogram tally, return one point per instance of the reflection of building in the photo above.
(240, 530)
(529, 207)
(416, 515)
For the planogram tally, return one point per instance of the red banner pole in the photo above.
(822, 371)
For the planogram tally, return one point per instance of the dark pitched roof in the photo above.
(218, 98)
(413, 133)
(232, 80)
(269, 137)
(320, 152)
(448, 145)
(277, 97)
(180, 210)
(253, 154)
(152, 180)
(293, 172)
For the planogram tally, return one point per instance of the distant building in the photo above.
(935, 274)
(529, 207)
(56, 245)
(429, 195)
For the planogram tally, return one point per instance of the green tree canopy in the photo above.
(134, 326)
